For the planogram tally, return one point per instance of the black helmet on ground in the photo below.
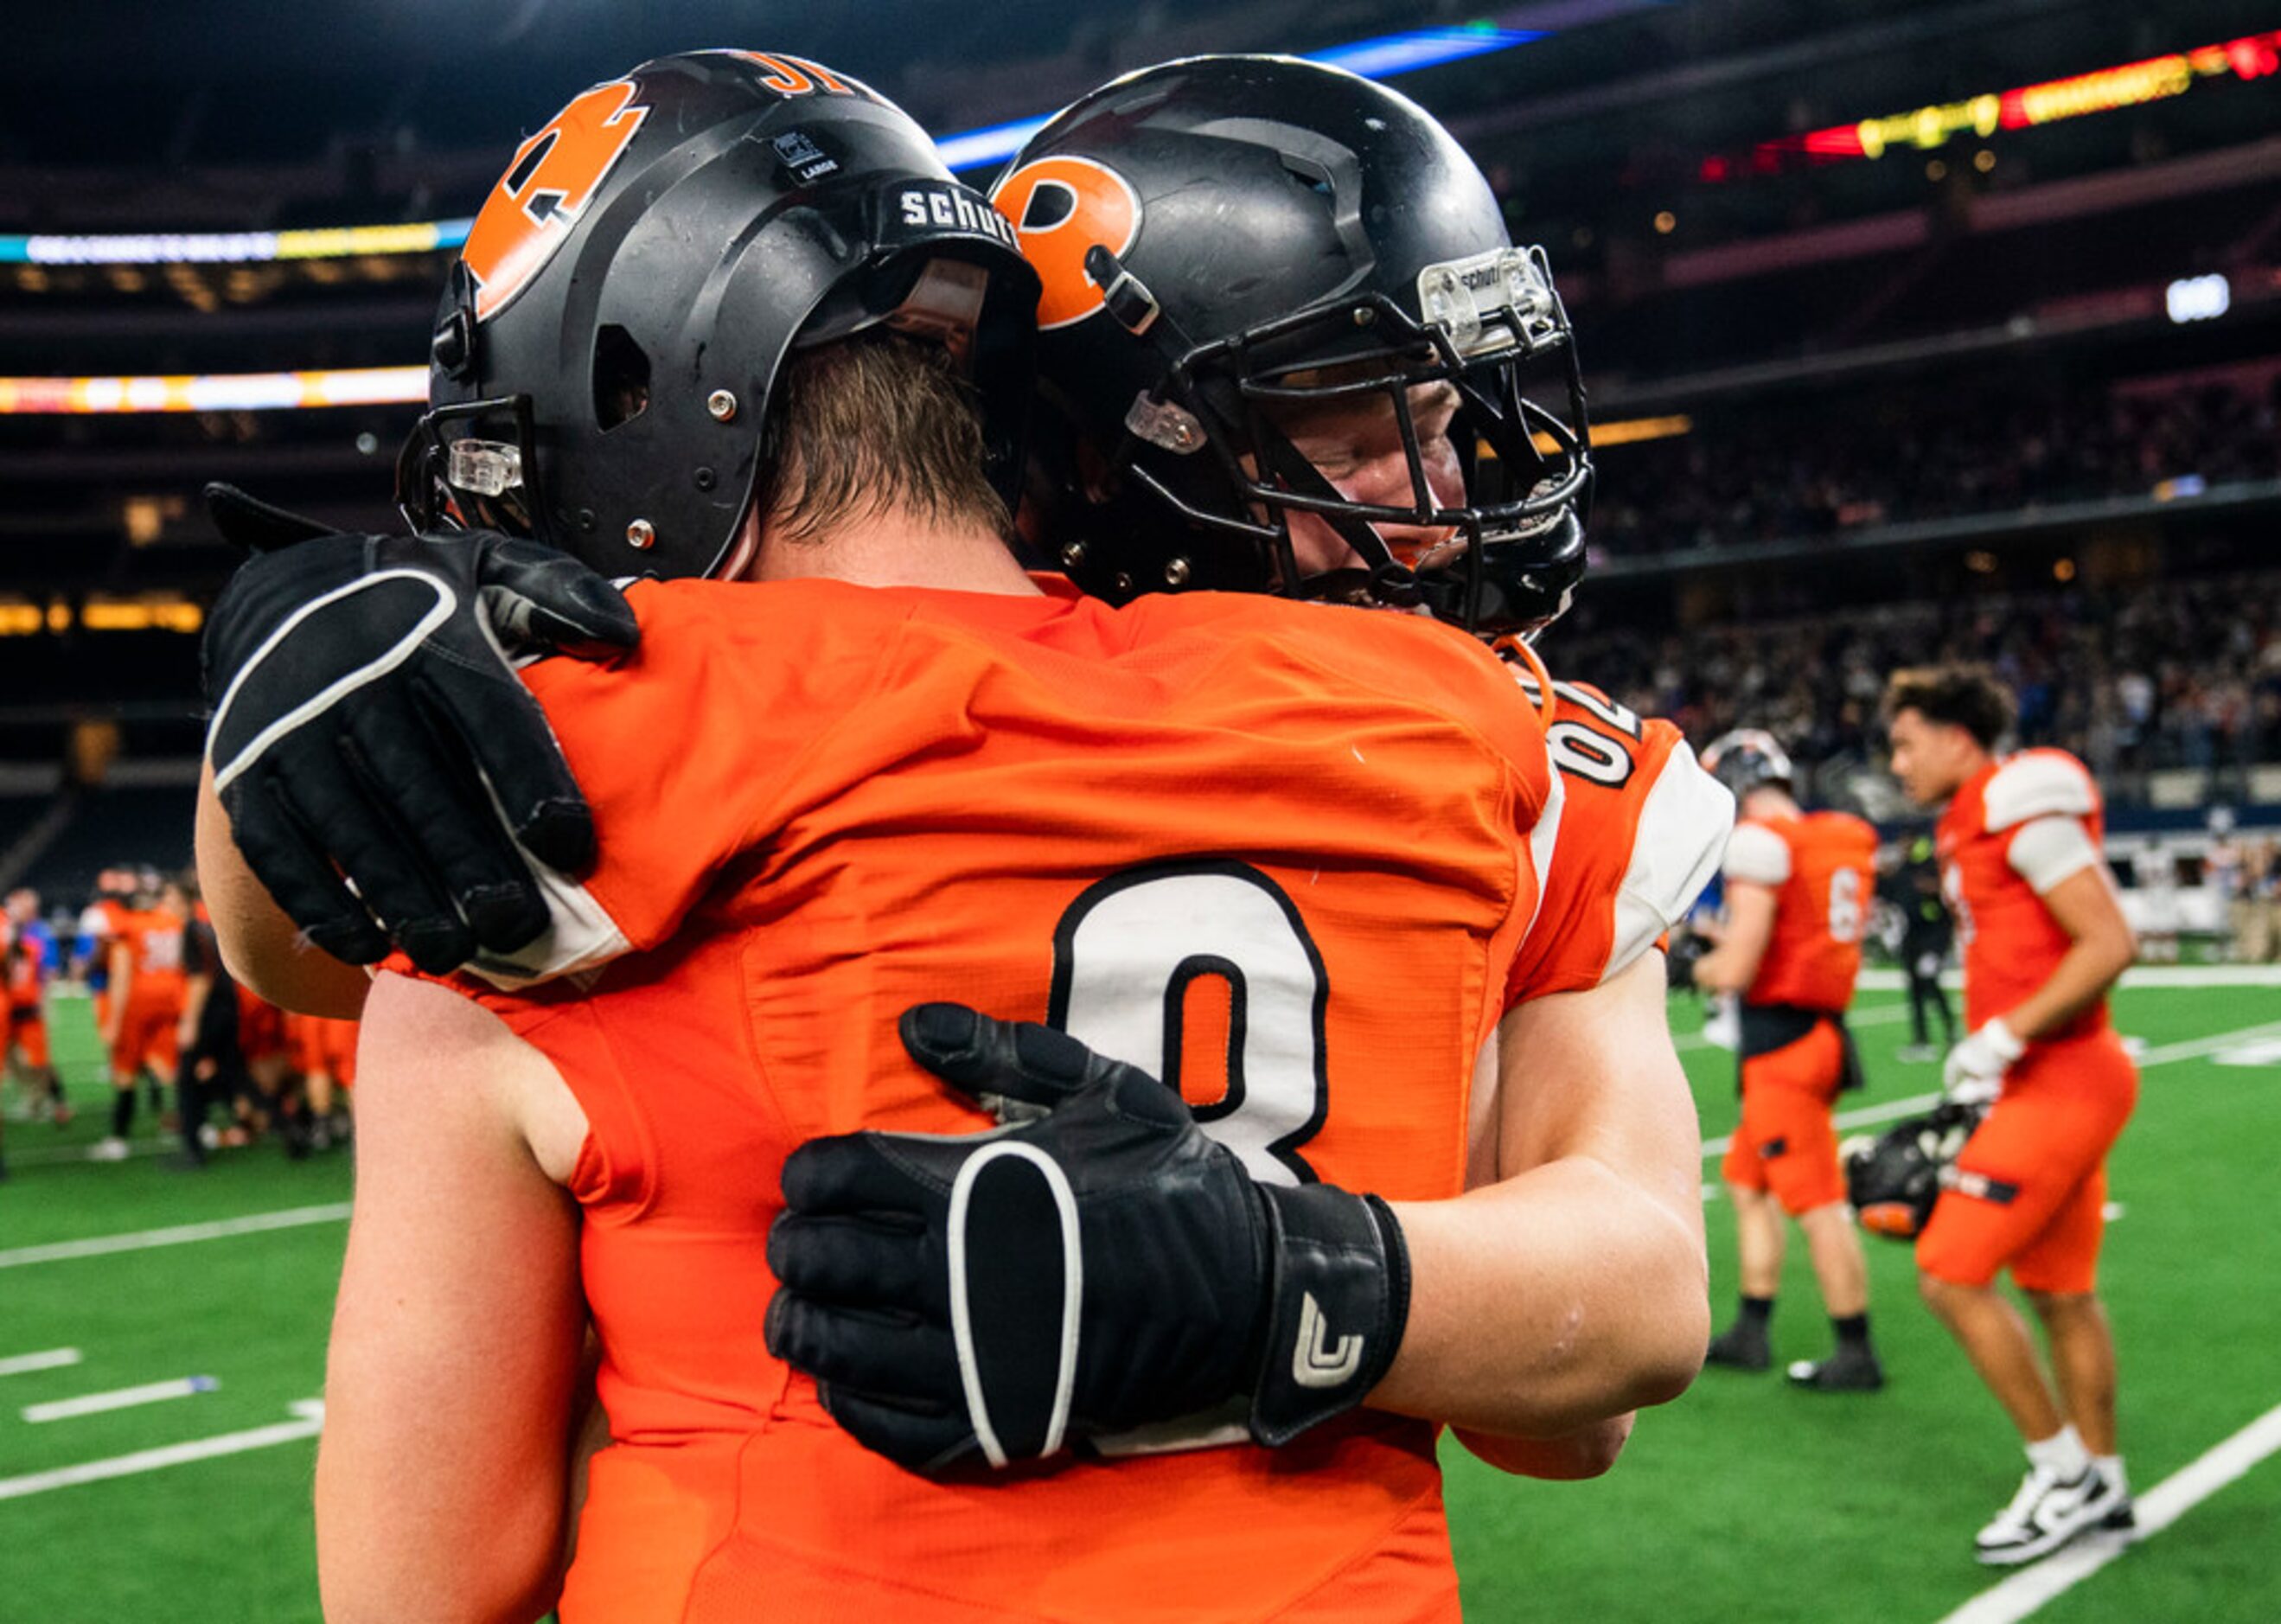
(1228, 241)
(609, 341)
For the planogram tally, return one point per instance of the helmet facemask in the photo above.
(1213, 443)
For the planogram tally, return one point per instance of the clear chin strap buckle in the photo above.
(1163, 424)
(484, 467)
(1499, 301)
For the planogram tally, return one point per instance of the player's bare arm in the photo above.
(442, 1475)
(1734, 964)
(2101, 946)
(1574, 1290)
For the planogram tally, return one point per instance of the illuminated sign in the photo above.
(226, 391)
(2130, 84)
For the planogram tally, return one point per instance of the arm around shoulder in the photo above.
(1551, 1303)
(262, 947)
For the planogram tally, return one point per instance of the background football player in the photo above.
(2044, 940)
(1798, 888)
(1498, 1376)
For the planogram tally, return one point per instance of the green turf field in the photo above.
(1744, 1501)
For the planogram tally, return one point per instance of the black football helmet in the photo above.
(1893, 1180)
(1746, 759)
(1224, 238)
(610, 338)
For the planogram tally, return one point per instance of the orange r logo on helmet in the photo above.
(552, 178)
(1060, 207)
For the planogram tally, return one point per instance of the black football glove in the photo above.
(367, 726)
(1100, 1266)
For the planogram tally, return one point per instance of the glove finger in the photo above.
(979, 1054)
(918, 1440)
(267, 828)
(850, 1262)
(537, 596)
(847, 1174)
(345, 815)
(891, 1356)
(486, 880)
(256, 526)
(500, 728)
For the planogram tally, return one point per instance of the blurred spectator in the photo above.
(2180, 674)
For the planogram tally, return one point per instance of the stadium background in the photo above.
(1911, 332)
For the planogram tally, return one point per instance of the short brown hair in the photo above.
(870, 423)
(1967, 696)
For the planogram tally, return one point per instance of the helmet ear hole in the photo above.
(621, 378)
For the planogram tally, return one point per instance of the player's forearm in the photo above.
(1557, 1299)
(2090, 965)
(1587, 1452)
(1728, 968)
(259, 945)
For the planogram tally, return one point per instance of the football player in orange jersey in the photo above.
(1594, 1286)
(24, 945)
(1798, 885)
(142, 1021)
(2044, 940)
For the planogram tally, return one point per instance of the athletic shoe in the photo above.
(209, 1136)
(109, 1147)
(2046, 1513)
(1849, 1370)
(1916, 1054)
(1741, 1347)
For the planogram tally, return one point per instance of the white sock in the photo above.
(2110, 1467)
(2062, 1455)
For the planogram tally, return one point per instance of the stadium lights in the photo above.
(2129, 84)
(2197, 299)
(226, 391)
(1381, 56)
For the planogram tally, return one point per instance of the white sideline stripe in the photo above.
(311, 1412)
(52, 1358)
(118, 1398)
(181, 1235)
(2158, 1508)
(2190, 975)
(2192, 1049)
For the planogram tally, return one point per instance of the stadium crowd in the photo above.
(1788, 473)
(2188, 676)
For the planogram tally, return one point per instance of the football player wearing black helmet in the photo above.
(1289, 345)
(1310, 1309)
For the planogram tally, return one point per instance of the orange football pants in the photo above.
(2030, 1185)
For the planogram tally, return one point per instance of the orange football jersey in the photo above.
(2011, 941)
(1822, 867)
(1626, 844)
(1276, 853)
(153, 937)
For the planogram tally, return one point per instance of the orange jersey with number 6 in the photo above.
(1822, 867)
(1277, 854)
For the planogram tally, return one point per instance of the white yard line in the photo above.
(311, 1421)
(1888, 1110)
(2159, 1507)
(181, 1235)
(2191, 977)
(118, 1398)
(52, 1358)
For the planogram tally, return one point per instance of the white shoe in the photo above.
(2046, 1513)
(109, 1148)
(210, 1136)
